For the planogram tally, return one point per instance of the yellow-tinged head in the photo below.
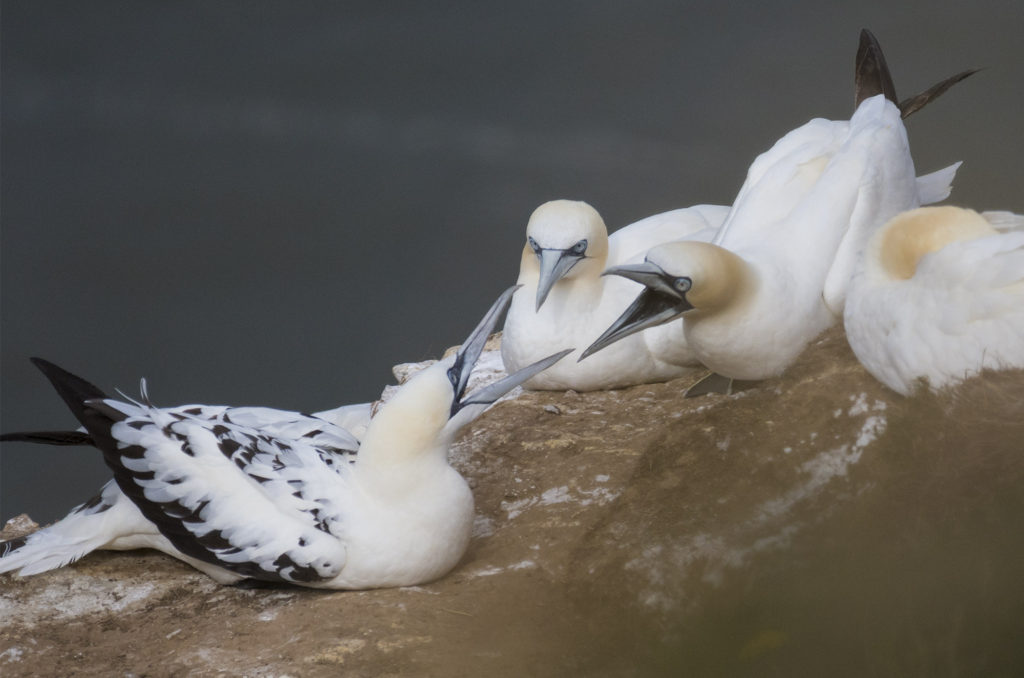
(679, 277)
(421, 419)
(565, 239)
(718, 278)
(903, 240)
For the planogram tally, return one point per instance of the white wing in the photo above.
(882, 174)
(256, 491)
(779, 179)
(632, 241)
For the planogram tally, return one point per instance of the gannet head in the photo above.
(678, 277)
(564, 239)
(429, 409)
(898, 246)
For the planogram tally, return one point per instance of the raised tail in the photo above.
(872, 77)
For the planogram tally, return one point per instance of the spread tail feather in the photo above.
(41, 552)
(54, 546)
(87, 527)
(872, 77)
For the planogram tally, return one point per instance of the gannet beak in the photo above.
(473, 346)
(469, 353)
(492, 392)
(554, 264)
(657, 304)
(647, 274)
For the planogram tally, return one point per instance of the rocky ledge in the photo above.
(815, 524)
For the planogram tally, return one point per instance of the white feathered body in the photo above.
(580, 307)
(798, 223)
(960, 312)
(267, 494)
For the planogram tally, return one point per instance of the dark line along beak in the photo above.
(657, 304)
(647, 274)
(471, 349)
(492, 392)
(554, 264)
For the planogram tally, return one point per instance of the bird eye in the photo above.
(453, 375)
(534, 245)
(682, 284)
(580, 247)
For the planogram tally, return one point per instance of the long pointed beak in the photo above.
(650, 308)
(492, 392)
(647, 274)
(554, 264)
(471, 349)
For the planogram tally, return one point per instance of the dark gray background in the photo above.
(272, 203)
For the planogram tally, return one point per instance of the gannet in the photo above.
(776, 274)
(565, 301)
(939, 296)
(253, 493)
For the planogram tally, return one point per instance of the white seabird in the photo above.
(939, 296)
(776, 274)
(254, 493)
(565, 301)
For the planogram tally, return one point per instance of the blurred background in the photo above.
(273, 203)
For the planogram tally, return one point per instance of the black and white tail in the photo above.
(95, 524)
(872, 78)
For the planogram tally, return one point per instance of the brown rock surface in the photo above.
(816, 524)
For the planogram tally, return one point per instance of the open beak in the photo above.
(473, 346)
(492, 392)
(470, 352)
(647, 274)
(554, 263)
(657, 304)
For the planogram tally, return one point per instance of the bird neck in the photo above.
(727, 281)
(410, 428)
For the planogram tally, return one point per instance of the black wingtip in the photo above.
(871, 73)
(78, 394)
(11, 545)
(48, 437)
(872, 77)
(918, 101)
(73, 389)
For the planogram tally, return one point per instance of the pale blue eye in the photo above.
(580, 247)
(682, 284)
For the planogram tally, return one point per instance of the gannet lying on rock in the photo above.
(253, 493)
(565, 301)
(939, 296)
(775, 275)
